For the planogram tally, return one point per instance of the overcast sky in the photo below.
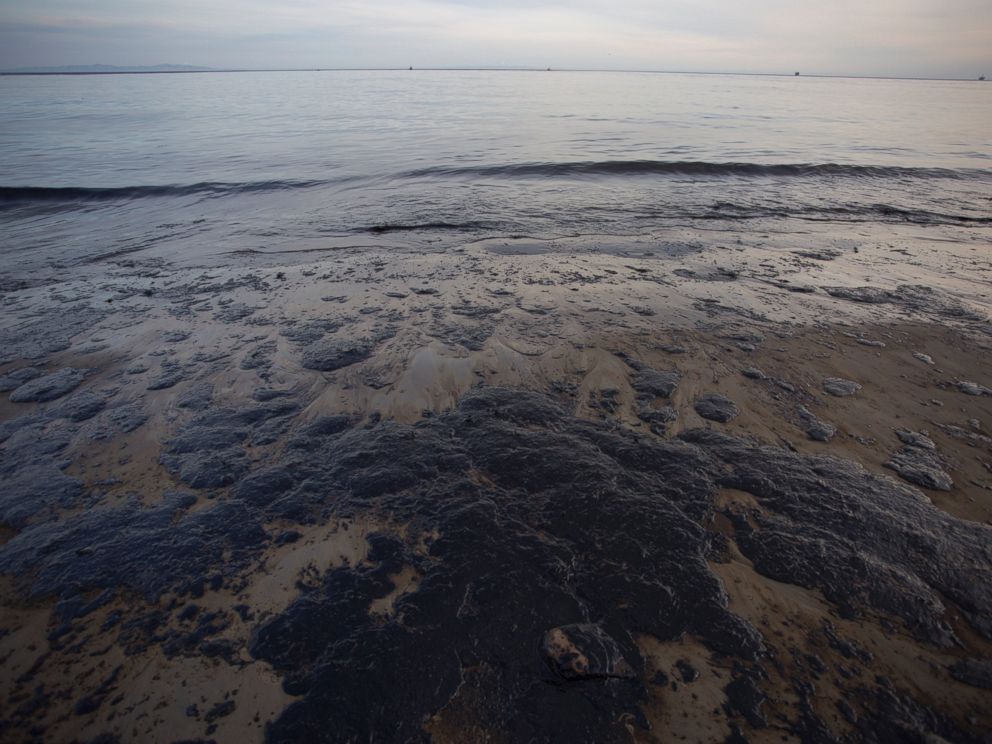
(872, 37)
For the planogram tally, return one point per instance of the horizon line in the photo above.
(150, 70)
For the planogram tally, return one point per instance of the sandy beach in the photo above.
(654, 488)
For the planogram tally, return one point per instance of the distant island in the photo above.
(102, 69)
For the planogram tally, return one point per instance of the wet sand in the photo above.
(694, 486)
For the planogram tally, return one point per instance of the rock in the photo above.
(15, 378)
(233, 313)
(745, 697)
(263, 395)
(80, 407)
(326, 426)
(206, 439)
(48, 387)
(974, 672)
(653, 384)
(220, 710)
(209, 451)
(920, 466)
(918, 462)
(11, 426)
(925, 358)
(716, 407)
(170, 373)
(837, 528)
(790, 287)
(210, 469)
(49, 330)
(687, 671)
(264, 486)
(840, 387)
(916, 439)
(328, 356)
(584, 651)
(306, 333)
(260, 357)
(915, 297)
(196, 397)
(36, 488)
(148, 550)
(754, 373)
(819, 254)
(657, 418)
(871, 295)
(968, 388)
(120, 420)
(817, 430)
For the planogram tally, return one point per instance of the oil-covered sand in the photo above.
(703, 489)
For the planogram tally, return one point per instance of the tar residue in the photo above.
(545, 545)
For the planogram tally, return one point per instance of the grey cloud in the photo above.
(897, 37)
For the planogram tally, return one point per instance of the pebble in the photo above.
(840, 387)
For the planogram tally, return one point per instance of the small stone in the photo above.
(840, 387)
(584, 651)
(754, 373)
(687, 671)
(870, 295)
(220, 710)
(973, 388)
(925, 358)
(716, 407)
(916, 439)
(819, 254)
(817, 430)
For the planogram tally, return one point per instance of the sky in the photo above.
(929, 38)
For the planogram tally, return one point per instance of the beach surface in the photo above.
(407, 487)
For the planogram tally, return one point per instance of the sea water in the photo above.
(96, 167)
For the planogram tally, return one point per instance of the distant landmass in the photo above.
(103, 69)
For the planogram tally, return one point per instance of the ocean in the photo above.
(195, 165)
